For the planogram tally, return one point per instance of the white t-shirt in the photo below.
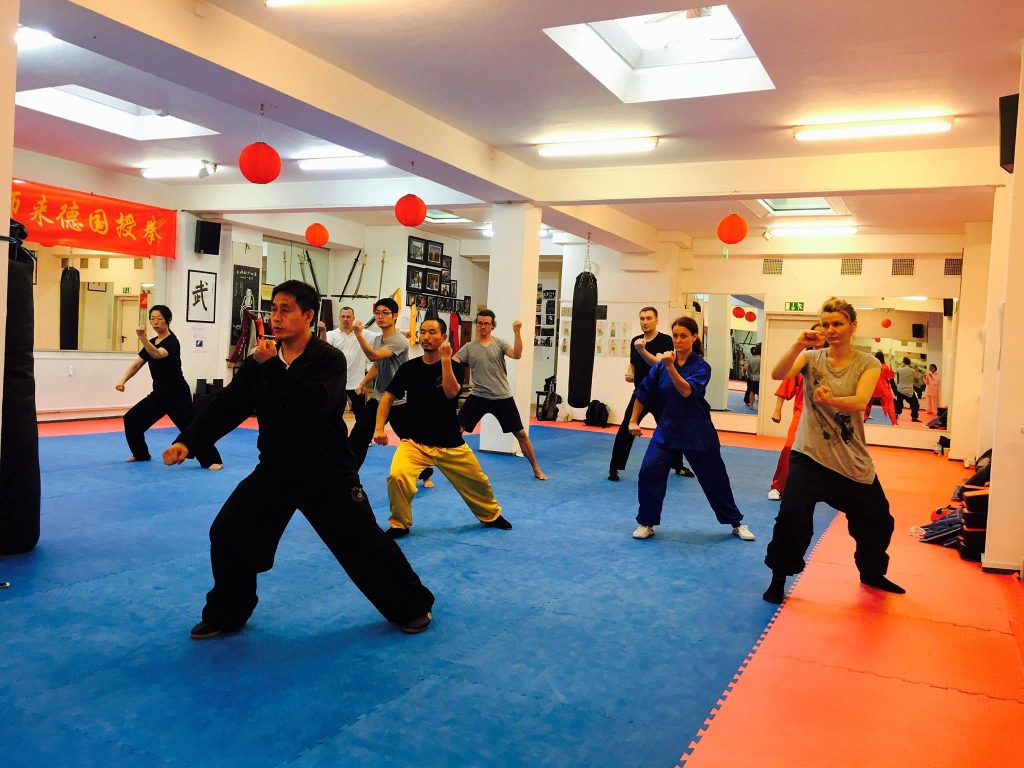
(354, 357)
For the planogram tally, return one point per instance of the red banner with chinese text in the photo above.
(56, 216)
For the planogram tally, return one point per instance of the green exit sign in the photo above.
(794, 306)
(126, 289)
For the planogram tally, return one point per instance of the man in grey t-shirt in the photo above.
(490, 392)
(905, 377)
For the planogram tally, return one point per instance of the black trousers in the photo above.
(176, 403)
(245, 534)
(366, 422)
(915, 404)
(865, 506)
(358, 402)
(624, 441)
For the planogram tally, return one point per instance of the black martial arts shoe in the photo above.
(882, 583)
(500, 522)
(396, 533)
(204, 630)
(416, 626)
(776, 591)
(613, 474)
(685, 472)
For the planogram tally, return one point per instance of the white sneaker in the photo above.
(740, 530)
(643, 532)
(774, 495)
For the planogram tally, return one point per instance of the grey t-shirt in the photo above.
(905, 380)
(834, 438)
(386, 368)
(754, 366)
(487, 366)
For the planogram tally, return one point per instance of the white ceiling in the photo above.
(488, 70)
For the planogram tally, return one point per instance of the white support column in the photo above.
(1004, 545)
(717, 348)
(8, 75)
(511, 294)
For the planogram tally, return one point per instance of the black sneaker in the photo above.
(685, 472)
(204, 630)
(613, 474)
(416, 626)
(500, 522)
(396, 533)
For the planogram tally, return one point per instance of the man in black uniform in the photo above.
(297, 387)
(644, 349)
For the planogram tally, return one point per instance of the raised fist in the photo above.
(265, 350)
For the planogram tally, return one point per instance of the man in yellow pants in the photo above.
(431, 434)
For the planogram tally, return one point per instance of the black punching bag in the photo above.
(19, 441)
(581, 343)
(70, 287)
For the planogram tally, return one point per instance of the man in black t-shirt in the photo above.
(430, 433)
(643, 351)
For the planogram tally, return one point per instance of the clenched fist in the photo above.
(265, 350)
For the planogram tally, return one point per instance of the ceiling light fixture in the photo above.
(487, 232)
(356, 162)
(603, 147)
(29, 39)
(813, 231)
(872, 130)
(207, 169)
(174, 169)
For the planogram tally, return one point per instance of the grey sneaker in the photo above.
(643, 532)
(743, 532)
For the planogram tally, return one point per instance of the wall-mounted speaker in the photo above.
(1008, 106)
(947, 307)
(917, 330)
(207, 237)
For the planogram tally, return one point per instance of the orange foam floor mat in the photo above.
(849, 676)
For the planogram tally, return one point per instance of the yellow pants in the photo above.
(459, 465)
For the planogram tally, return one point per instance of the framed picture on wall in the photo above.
(201, 297)
(435, 252)
(446, 289)
(96, 287)
(432, 281)
(410, 298)
(413, 278)
(417, 249)
(466, 304)
(446, 261)
(446, 275)
(455, 287)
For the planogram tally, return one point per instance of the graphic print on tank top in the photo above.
(835, 426)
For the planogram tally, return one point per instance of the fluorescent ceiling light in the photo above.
(914, 298)
(107, 113)
(175, 169)
(872, 130)
(605, 147)
(340, 163)
(29, 39)
(813, 231)
(443, 217)
(487, 232)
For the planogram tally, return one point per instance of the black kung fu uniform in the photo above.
(305, 463)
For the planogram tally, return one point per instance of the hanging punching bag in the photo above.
(581, 343)
(70, 285)
(19, 441)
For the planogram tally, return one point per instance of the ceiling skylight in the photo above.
(107, 113)
(29, 39)
(676, 55)
(797, 206)
(435, 216)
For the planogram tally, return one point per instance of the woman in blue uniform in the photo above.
(171, 395)
(678, 381)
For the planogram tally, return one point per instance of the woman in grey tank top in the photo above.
(830, 461)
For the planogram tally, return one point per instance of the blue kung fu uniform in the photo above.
(684, 425)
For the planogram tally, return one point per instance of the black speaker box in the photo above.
(1008, 106)
(917, 330)
(207, 237)
(947, 307)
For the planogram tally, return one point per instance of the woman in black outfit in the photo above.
(171, 395)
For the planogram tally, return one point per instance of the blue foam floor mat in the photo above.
(563, 641)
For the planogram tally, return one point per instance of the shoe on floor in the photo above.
(396, 533)
(685, 472)
(743, 532)
(204, 630)
(643, 532)
(500, 522)
(416, 626)
(774, 495)
(613, 474)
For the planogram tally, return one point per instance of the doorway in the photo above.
(128, 317)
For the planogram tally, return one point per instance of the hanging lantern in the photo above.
(877, 339)
(751, 317)
(732, 229)
(737, 312)
(410, 211)
(260, 163)
(886, 323)
(317, 235)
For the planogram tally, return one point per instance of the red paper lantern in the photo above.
(732, 229)
(410, 210)
(886, 323)
(751, 317)
(317, 235)
(877, 339)
(260, 163)
(737, 312)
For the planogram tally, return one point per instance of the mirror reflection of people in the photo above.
(906, 377)
(171, 395)
(296, 385)
(883, 391)
(830, 461)
(932, 385)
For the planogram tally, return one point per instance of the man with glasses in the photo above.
(344, 338)
(490, 392)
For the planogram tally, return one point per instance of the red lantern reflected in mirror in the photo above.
(751, 317)
(737, 312)
(886, 323)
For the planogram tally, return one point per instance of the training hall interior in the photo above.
(735, 163)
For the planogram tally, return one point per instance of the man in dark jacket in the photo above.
(296, 384)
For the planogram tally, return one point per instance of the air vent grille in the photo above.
(771, 267)
(903, 267)
(851, 267)
(953, 267)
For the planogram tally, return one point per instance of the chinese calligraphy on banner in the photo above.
(56, 216)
